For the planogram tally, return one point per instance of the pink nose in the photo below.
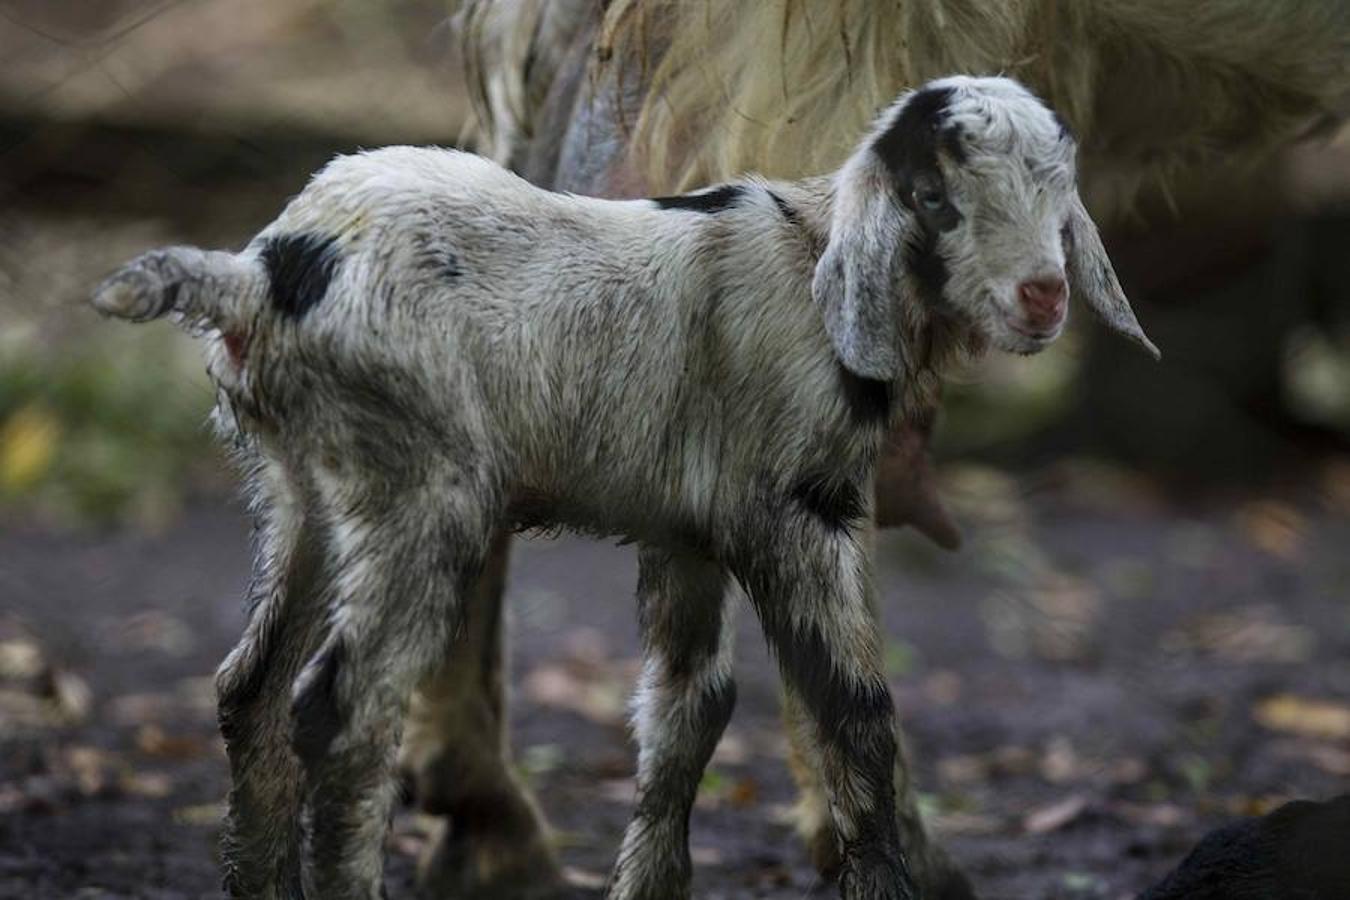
(1045, 301)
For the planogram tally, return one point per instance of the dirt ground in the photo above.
(1097, 679)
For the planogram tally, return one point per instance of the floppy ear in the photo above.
(856, 281)
(1092, 278)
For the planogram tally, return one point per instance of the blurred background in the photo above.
(1147, 632)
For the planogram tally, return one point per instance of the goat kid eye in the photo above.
(930, 200)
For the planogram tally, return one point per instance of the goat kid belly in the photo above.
(675, 463)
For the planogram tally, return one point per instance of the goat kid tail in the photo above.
(203, 287)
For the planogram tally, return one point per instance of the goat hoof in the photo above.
(875, 876)
(951, 884)
(477, 867)
(939, 877)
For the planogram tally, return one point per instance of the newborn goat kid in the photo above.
(424, 347)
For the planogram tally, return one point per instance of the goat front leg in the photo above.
(684, 700)
(260, 839)
(934, 871)
(810, 584)
(493, 841)
(403, 561)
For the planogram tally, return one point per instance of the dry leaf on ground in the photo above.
(1055, 816)
(1305, 716)
(1252, 634)
(1275, 527)
(589, 693)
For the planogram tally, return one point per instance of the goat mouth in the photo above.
(1036, 334)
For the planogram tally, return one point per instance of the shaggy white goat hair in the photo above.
(424, 347)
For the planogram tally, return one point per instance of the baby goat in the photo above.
(425, 347)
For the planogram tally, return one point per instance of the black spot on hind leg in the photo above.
(315, 715)
(300, 268)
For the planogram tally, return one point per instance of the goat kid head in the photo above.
(962, 204)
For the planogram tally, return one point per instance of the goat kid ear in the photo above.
(856, 278)
(1092, 278)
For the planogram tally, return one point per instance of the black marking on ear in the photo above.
(787, 209)
(315, 717)
(299, 269)
(869, 400)
(838, 502)
(710, 201)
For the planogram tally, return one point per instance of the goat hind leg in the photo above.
(260, 838)
(401, 580)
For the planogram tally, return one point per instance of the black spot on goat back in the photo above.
(787, 210)
(714, 200)
(910, 145)
(300, 268)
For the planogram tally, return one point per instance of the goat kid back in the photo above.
(425, 348)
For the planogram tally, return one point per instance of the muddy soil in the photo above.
(1088, 687)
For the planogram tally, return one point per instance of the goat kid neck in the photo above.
(932, 339)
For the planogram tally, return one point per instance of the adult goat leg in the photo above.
(492, 840)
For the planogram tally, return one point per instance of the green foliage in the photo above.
(902, 659)
(105, 431)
